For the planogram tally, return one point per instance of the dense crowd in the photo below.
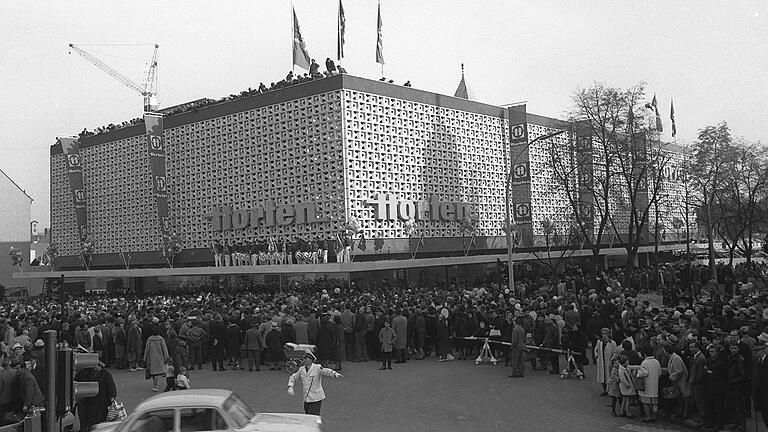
(696, 355)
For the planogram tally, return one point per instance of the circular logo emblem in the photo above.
(521, 170)
(522, 210)
(518, 132)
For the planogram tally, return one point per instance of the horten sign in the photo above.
(385, 207)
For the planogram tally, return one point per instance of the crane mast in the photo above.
(148, 87)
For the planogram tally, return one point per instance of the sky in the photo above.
(710, 57)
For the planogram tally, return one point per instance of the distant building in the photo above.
(15, 231)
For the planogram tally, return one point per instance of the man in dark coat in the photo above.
(93, 410)
(218, 334)
(552, 341)
(760, 379)
(234, 341)
(517, 339)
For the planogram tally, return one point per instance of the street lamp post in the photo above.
(510, 216)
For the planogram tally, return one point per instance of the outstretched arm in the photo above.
(330, 373)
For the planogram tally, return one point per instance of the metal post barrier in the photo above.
(50, 380)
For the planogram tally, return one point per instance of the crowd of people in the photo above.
(699, 355)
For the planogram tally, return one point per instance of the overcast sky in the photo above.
(711, 57)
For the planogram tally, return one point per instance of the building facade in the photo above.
(409, 167)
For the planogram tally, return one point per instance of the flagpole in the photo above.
(293, 37)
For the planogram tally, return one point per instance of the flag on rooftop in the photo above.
(340, 37)
(656, 111)
(672, 117)
(300, 55)
(379, 41)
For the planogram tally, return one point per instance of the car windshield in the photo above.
(239, 413)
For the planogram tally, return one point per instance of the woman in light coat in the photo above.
(155, 357)
(650, 371)
(678, 374)
(605, 348)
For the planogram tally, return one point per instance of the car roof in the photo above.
(186, 398)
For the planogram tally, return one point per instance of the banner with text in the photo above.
(71, 149)
(156, 153)
(521, 205)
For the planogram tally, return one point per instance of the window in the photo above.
(201, 419)
(154, 421)
(240, 413)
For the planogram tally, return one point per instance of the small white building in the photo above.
(15, 218)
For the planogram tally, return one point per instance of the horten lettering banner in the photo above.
(156, 153)
(71, 149)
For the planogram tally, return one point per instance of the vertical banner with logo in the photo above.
(586, 172)
(156, 152)
(520, 189)
(71, 149)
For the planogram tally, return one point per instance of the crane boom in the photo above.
(148, 89)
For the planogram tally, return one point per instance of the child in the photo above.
(182, 380)
(170, 377)
(612, 385)
(626, 385)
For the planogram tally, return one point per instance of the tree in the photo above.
(712, 152)
(567, 243)
(599, 115)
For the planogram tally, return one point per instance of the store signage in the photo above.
(226, 218)
(387, 207)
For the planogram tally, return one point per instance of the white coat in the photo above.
(312, 381)
(603, 358)
(650, 369)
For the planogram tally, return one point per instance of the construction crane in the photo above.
(147, 89)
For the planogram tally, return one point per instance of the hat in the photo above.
(39, 343)
(672, 339)
(274, 325)
(17, 345)
(689, 312)
(308, 354)
(763, 337)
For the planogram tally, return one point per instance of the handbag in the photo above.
(669, 392)
(639, 383)
(146, 374)
(116, 412)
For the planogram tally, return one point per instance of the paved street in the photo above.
(423, 396)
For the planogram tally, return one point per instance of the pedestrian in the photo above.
(400, 324)
(678, 374)
(155, 357)
(736, 387)
(324, 339)
(253, 345)
(133, 346)
(93, 410)
(761, 377)
(274, 347)
(613, 385)
(339, 335)
(170, 376)
(387, 338)
(650, 371)
(443, 335)
(626, 386)
(517, 349)
(311, 375)
(234, 342)
(182, 379)
(605, 348)
(119, 340)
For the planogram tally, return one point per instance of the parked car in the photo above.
(206, 410)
